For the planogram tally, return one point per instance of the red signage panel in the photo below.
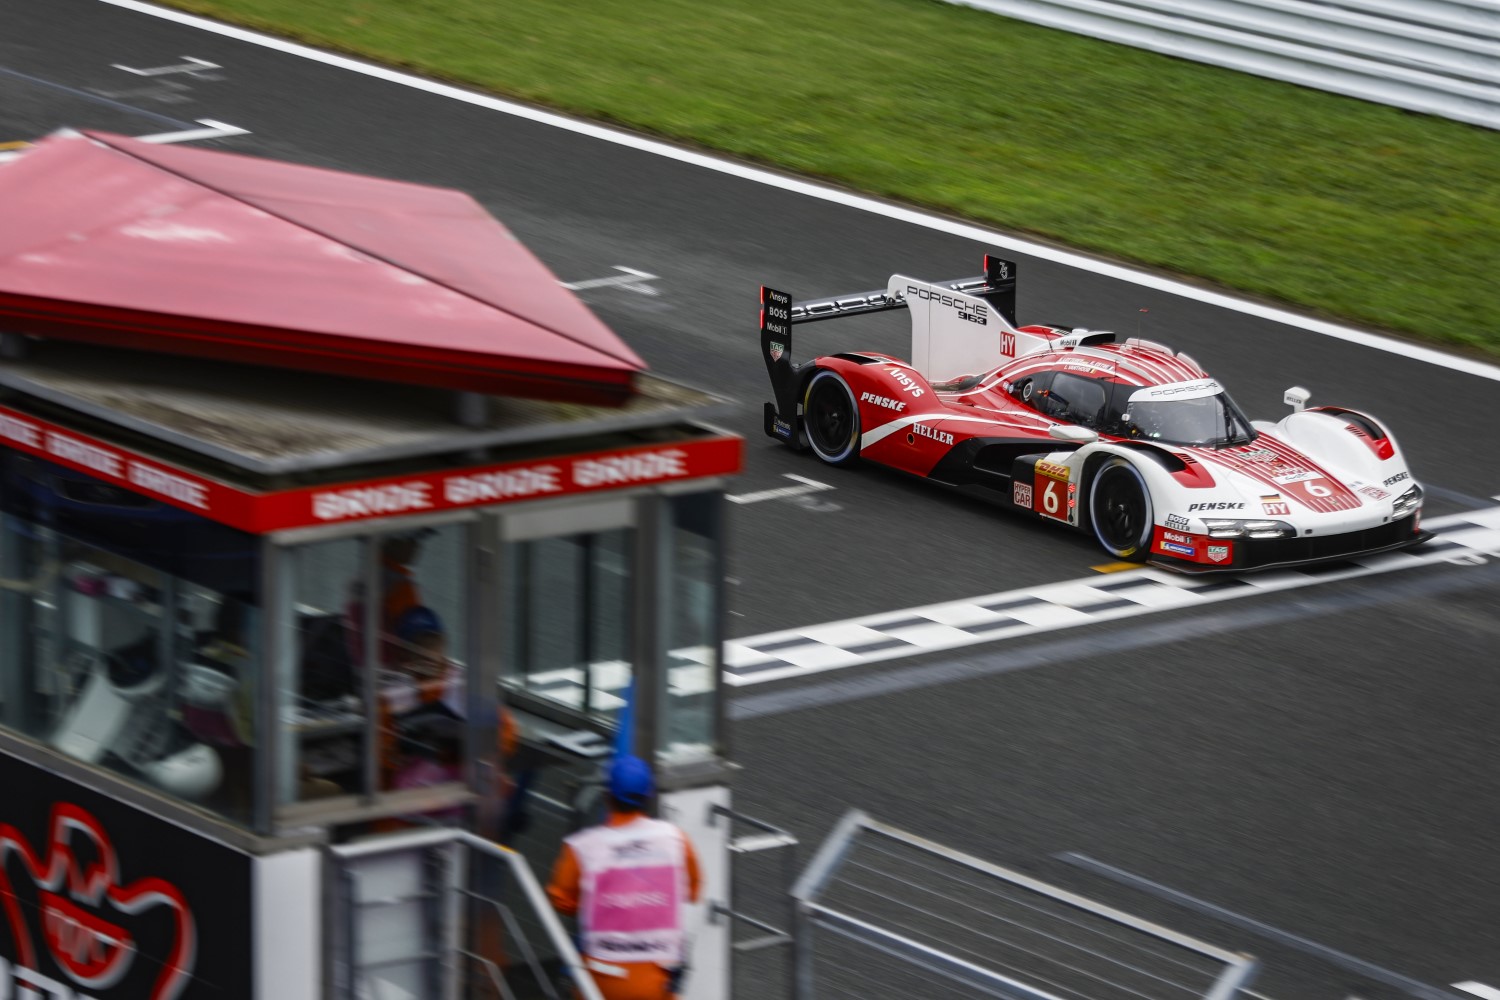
(424, 492)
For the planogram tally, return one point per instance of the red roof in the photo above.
(188, 251)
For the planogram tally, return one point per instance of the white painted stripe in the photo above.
(931, 635)
(813, 658)
(963, 613)
(211, 130)
(630, 277)
(1065, 605)
(777, 494)
(1118, 272)
(1479, 990)
(192, 65)
(901, 423)
(808, 486)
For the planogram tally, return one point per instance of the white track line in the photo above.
(211, 130)
(913, 217)
(191, 66)
(808, 486)
(1470, 538)
(1479, 990)
(630, 279)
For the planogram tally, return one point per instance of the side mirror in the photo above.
(1296, 397)
(1072, 433)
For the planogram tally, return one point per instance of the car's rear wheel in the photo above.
(831, 417)
(1120, 510)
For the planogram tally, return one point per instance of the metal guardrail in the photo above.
(767, 838)
(407, 918)
(1439, 57)
(918, 916)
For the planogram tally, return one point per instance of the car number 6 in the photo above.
(1051, 503)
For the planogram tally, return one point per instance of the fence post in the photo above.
(802, 952)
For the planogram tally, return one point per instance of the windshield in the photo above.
(1195, 413)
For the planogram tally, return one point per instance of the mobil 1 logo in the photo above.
(775, 313)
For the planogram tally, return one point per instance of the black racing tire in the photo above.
(830, 416)
(1120, 510)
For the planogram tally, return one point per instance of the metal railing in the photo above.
(767, 839)
(882, 912)
(1440, 57)
(440, 913)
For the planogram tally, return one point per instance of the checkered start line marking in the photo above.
(1465, 539)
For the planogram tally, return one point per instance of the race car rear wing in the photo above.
(778, 313)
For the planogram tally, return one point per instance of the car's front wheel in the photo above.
(1120, 510)
(831, 417)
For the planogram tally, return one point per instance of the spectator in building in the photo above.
(398, 584)
(431, 682)
(399, 594)
(430, 749)
(629, 881)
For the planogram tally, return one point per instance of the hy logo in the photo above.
(78, 898)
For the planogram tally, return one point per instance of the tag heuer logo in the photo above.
(777, 350)
(1218, 553)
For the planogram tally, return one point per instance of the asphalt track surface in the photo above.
(1320, 760)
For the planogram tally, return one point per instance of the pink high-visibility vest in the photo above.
(632, 888)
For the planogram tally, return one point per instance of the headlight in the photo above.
(1226, 528)
(1407, 502)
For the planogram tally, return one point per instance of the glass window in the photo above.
(129, 631)
(690, 626)
(568, 631)
(1032, 390)
(410, 640)
(1076, 399)
(321, 701)
(424, 644)
(1185, 413)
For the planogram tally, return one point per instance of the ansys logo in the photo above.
(79, 899)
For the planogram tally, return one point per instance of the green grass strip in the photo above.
(1337, 207)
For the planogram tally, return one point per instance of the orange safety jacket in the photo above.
(618, 980)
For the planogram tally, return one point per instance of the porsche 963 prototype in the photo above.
(1126, 439)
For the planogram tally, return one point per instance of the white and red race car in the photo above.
(1128, 440)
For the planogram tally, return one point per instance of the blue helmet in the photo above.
(417, 622)
(630, 781)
